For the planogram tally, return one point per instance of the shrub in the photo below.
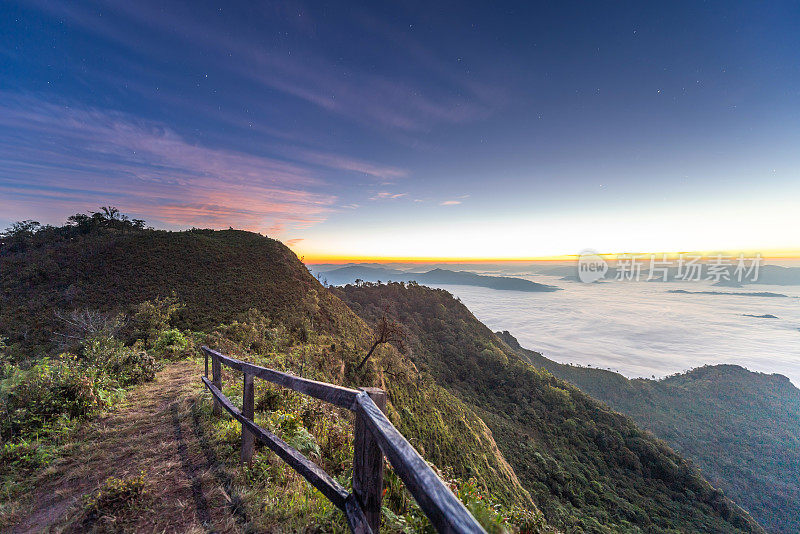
(125, 365)
(528, 521)
(170, 344)
(483, 508)
(153, 317)
(252, 332)
(294, 433)
(23, 455)
(131, 365)
(35, 397)
(5, 359)
(80, 326)
(228, 431)
(114, 496)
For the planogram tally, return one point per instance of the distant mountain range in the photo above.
(338, 274)
(735, 293)
(368, 273)
(773, 275)
(768, 275)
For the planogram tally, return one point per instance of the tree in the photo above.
(112, 214)
(81, 221)
(107, 217)
(311, 305)
(19, 235)
(22, 229)
(83, 326)
(386, 331)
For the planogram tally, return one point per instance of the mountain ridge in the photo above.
(436, 276)
(574, 454)
(473, 409)
(752, 449)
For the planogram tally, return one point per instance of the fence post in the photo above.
(206, 355)
(216, 379)
(368, 465)
(248, 410)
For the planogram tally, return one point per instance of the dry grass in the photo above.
(155, 432)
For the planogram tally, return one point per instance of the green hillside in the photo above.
(251, 297)
(741, 428)
(511, 437)
(217, 275)
(587, 467)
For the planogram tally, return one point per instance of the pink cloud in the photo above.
(345, 163)
(71, 159)
(450, 203)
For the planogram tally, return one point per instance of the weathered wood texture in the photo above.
(442, 508)
(248, 411)
(308, 469)
(216, 376)
(337, 395)
(368, 464)
(375, 436)
(355, 517)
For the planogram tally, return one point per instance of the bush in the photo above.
(127, 366)
(170, 344)
(131, 365)
(114, 496)
(293, 432)
(488, 512)
(252, 332)
(34, 398)
(24, 455)
(5, 359)
(152, 318)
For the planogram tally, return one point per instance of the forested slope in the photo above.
(587, 467)
(251, 297)
(741, 428)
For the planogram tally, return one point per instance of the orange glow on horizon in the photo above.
(344, 259)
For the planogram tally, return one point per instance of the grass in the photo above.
(152, 435)
(248, 296)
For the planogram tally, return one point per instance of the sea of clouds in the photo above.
(641, 329)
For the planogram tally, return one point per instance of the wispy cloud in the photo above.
(66, 159)
(449, 202)
(385, 195)
(344, 163)
(378, 101)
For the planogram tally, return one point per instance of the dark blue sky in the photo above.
(487, 130)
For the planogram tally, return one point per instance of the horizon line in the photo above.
(748, 255)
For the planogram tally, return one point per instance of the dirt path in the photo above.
(157, 432)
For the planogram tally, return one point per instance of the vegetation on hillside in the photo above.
(444, 430)
(587, 467)
(44, 399)
(121, 293)
(112, 267)
(94, 307)
(741, 428)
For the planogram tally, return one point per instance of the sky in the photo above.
(414, 129)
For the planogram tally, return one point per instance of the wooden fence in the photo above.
(374, 437)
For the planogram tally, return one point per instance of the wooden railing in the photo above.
(374, 437)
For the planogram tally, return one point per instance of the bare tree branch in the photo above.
(386, 331)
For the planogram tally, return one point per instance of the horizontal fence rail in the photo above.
(375, 437)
